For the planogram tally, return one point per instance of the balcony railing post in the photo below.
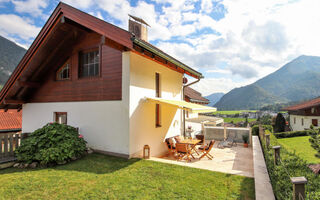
(276, 154)
(268, 140)
(299, 187)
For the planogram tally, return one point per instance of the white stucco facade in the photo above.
(121, 127)
(104, 124)
(300, 122)
(142, 113)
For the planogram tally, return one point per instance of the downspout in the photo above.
(184, 111)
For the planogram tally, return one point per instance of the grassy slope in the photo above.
(104, 177)
(236, 120)
(301, 146)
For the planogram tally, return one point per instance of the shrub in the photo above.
(291, 165)
(280, 123)
(255, 129)
(315, 143)
(51, 144)
(295, 133)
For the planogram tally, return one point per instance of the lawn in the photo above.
(301, 146)
(104, 177)
(232, 112)
(236, 120)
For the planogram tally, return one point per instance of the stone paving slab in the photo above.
(235, 160)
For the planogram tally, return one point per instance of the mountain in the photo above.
(214, 98)
(10, 55)
(295, 81)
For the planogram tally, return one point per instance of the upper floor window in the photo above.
(64, 72)
(158, 89)
(89, 63)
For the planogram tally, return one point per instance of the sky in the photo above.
(231, 42)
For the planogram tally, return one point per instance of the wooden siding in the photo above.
(306, 112)
(106, 86)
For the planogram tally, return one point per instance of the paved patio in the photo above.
(235, 160)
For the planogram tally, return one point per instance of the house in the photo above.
(304, 114)
(10, 121)
(118, 89)
(193, 96)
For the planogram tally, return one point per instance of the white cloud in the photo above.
(81, 4)
(212, 85)
(13, 26)
(32, 7)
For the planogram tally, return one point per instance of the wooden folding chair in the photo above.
(206, 150)
(171, 148)
(201, 138)
(183, 150)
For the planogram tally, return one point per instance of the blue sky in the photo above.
(232, 42)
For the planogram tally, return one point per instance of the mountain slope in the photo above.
(214, 98)
(10, 55)
(255, 97)
(297, 80)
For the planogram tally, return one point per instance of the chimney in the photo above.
(138, 27)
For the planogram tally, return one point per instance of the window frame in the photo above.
(80, 61)
(314, 122)
(158, 84)
(302, 122)
(56, 114)
(61, 68)
(158, 115)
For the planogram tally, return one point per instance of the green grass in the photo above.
(236, 120)
(232, 112)
(301, 146)
(104, 177)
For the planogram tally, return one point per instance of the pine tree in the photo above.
(280, 123)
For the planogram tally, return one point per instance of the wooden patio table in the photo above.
(192, 144)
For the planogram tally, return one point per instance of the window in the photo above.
(294, 120)
(64, 72)
(158, 120)
(61, 117)
(158, 92)
(314, 122)
(89, 63)
(302, 122)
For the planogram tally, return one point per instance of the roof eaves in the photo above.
(165, 56)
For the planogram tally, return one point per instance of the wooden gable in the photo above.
(67, 31)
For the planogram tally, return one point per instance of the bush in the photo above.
(295, 133)
(255, 129)
(315, 143)
(291, 165)
(54, 143)
(280, 123)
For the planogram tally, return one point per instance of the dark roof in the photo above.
(194, 95)
(10, 120)
(304, 105)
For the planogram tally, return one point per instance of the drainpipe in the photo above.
(184, 112)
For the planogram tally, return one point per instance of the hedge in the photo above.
(291, 166)
(255, 129)
(295, 133)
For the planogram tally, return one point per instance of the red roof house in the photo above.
(10, 121)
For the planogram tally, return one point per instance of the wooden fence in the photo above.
(8, 143)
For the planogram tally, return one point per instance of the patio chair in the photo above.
(206, 150)
(171, 148)
(183, 150)
(231, 139)
(200, 137)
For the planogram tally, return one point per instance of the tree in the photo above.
(265, 120)
(315, 143)
(280, 123)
